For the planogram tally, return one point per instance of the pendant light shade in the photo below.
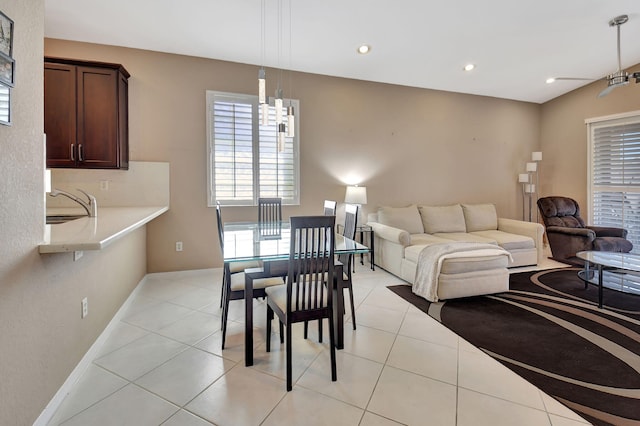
(264, 112)
(281, 135)
(278, 105)
(262, 87)
(291, 119)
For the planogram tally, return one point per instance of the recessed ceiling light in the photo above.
(469, 67)
(550, 80)
(364, 49)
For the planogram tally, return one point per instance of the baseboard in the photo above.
(85, 362)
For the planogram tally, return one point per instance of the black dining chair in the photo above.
(305, 297)
(350, 226)
(233, 278)
(329, 208)
(269, 210)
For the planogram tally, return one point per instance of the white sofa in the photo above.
(402, 232)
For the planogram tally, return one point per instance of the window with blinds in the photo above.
(5, 104)
(243, 162)
(614, 180)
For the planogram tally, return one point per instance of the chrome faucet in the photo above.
(91, 207)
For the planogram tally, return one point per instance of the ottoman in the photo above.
(477, 272)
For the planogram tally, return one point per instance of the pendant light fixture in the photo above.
(262, 77)
(284, 128)
(290, 112)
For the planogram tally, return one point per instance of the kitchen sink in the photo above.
(62, 218)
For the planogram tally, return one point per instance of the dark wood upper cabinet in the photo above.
(86, 114)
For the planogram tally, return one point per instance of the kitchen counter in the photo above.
(95, 233)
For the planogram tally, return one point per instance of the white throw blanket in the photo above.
(430, 261)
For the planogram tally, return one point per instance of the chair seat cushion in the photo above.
(278, 295)
(235, 267)
(237, 282)
(615, 244)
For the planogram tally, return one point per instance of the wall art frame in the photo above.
(6, 35)
(7, 70)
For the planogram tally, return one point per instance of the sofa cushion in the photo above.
(508, 241)
(481, 262)
(442, 219)
(464, 237)
(424, 239)
(460, 265)
(480, 217)
(406, 218)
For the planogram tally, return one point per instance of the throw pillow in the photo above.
(442, 219)
(406, 218)
(480, 217)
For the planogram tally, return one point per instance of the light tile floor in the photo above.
(162, 364)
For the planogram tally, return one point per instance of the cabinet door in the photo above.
(97, 136)
(60, 114)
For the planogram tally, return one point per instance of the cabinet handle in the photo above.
(72, 151)
(80, 152)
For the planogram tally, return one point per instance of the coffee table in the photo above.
(623, 263)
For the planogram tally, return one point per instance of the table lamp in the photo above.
(356, 195)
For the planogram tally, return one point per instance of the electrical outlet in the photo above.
(104, 185)
(85, 307)
(77, 255)
(178, 245)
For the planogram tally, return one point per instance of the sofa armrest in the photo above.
(605, 231)
(395, 235)
(529, 229)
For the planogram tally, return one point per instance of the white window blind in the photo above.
(244, 162)
(5, 104)
(615, 174)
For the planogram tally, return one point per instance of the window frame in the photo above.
(593, 124)
(211, 97)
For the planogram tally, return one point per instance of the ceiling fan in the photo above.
(618, 78)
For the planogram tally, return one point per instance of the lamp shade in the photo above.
(47, 180)
(356, 195)
(523, 178)
(536, 156)
(532, 167)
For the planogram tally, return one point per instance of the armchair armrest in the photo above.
(605, 231)
(586, 233)
(395, 235)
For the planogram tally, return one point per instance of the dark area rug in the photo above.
(549, 330)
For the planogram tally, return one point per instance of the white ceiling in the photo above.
(515, 44)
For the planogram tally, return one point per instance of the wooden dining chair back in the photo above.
(269, 209)
(350, 227)
(233, 278)
(306, 295)
(329, 208)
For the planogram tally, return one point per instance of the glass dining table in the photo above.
(270, 243)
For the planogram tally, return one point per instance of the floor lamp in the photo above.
(530, 186)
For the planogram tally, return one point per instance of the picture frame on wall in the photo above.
(5, 104)
(6, 35)
(7, 70)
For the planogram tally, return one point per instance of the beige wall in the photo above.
(563, 136)
(42, 337)
(406, 145)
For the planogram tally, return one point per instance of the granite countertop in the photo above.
(95, 233)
